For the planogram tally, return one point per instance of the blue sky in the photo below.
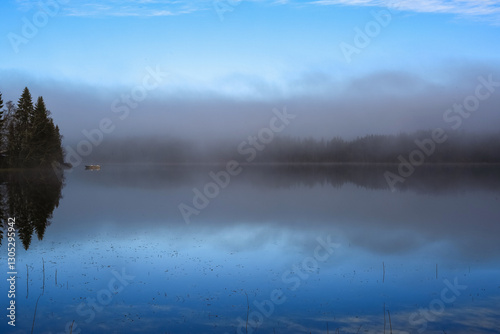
(248, 50)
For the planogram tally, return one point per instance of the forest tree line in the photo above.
(28, 136)
(459, 147)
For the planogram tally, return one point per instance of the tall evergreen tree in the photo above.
(58, 153)
(2, 121)
(41, 135)
(1, 106)
(46, 139)
(20, 133)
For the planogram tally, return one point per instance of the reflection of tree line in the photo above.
(433, 178)
(30, 196)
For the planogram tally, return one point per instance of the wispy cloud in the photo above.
(488, 10)
(138, 8)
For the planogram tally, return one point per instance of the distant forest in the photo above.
(28, 136)
(420, 146)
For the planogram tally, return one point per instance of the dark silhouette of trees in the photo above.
(18, 139)
(45, 143)
(29, 137)
(2, 120)
(29, 142)
(459, 147)
(1, 108)
(31, 197)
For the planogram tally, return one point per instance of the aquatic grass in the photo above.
(384, 319)
(34, 314)
(390, 323)
(43, 269)
(383, 270)
(248, 312)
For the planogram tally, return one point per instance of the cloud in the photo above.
(124, 8)
(488, 10)
(381, 102)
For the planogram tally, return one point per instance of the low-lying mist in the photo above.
(325, 104)
(432, 146)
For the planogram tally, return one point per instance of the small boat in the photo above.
(93, 167)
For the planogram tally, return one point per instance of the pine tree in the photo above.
(58, 153)
(2, 121)
(32, 138)
(46, 138)
(41, 135)
(19, 134)
(1, 107)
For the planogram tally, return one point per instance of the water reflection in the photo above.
(397, 250)
(31, 197)
(457, 206)
(432, 179)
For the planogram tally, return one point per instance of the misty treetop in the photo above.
(28, 136)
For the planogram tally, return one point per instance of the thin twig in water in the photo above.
(27, 286)
(383, 269)
(34, 314)
(71, 328)
(43, 267)
(359, 329)
(390, 323)
(384, 318)
(248, 311)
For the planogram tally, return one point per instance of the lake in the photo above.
(272, 249)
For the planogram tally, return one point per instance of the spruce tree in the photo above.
(2, 121)
(32, 138)
(1, 107)
(46, 138)
(41, 135)
(19, 135)
(58, 153)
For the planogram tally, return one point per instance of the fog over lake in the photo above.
(270, 166)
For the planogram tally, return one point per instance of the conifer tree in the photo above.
(1, 107)
(2, 121)
(19, 133)
(41, 135)
(58, 153)
(33, 140)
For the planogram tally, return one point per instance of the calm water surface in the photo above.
(279, 250)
